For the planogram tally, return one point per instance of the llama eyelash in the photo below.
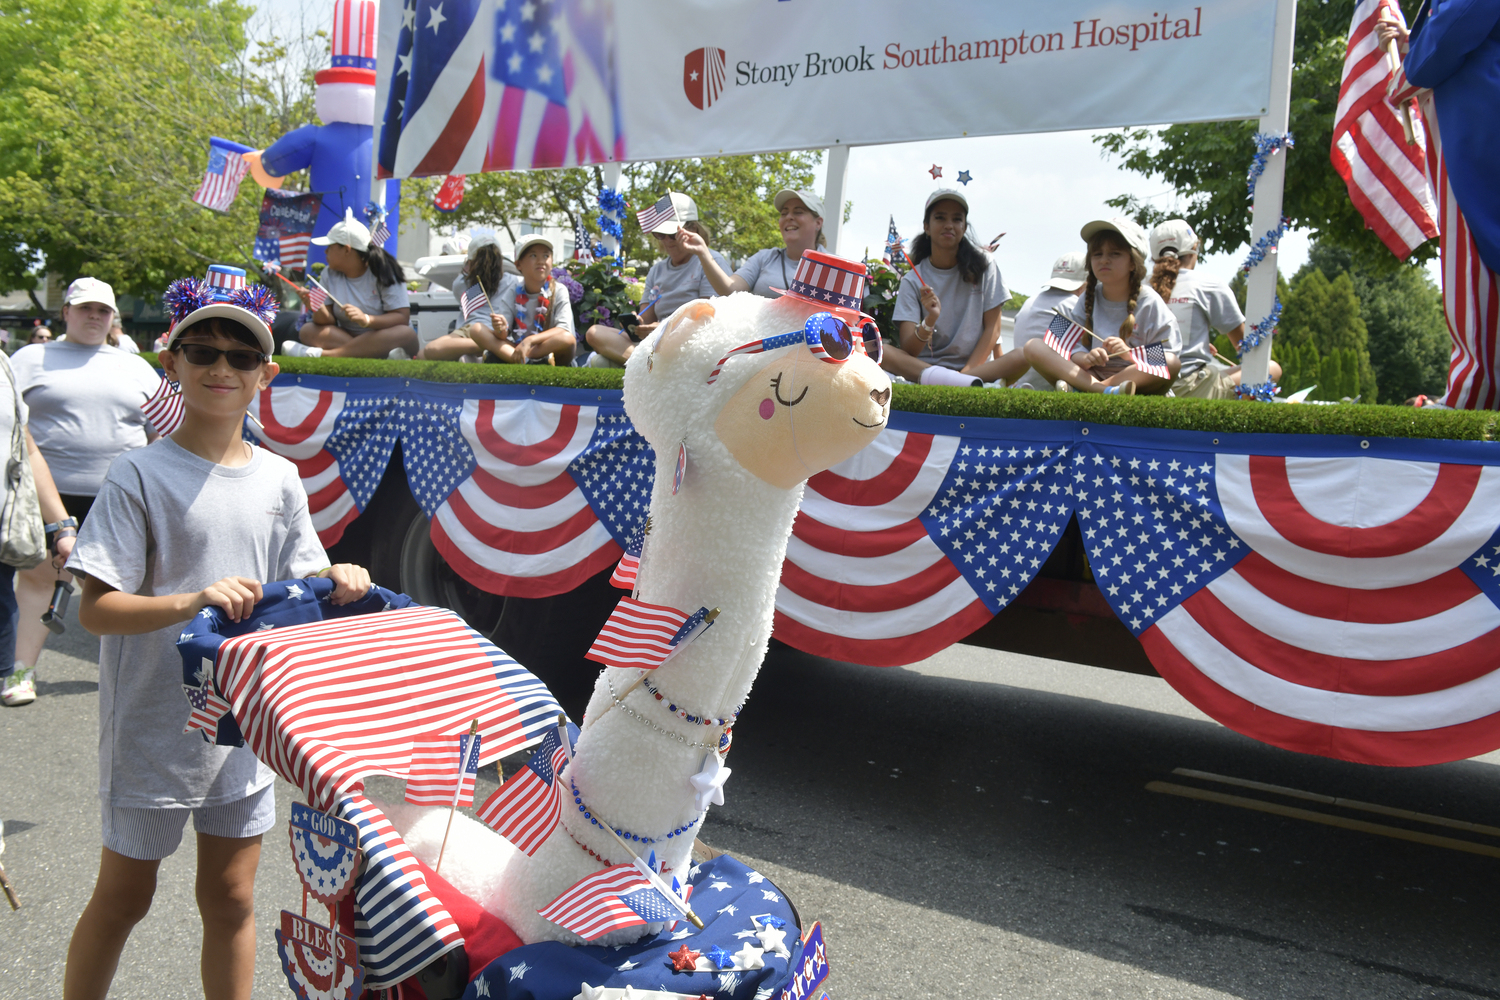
(776, 391)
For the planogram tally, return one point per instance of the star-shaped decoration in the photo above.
(773, 939)
(519, 971)
(435, 17)
(936, 171)
(684, 959)
(294, 592)
(748, 957)
(626, 966)
(964, 177)
(481, 987)
(708, 784)
(721, 958)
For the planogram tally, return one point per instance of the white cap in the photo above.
(684, 209)
(1134, 235)
(225, 310)
(456, 244)
(527, 242)
(90, 290)
(1069, 272)
(1175, 235)
(812, 201)
(947, 194)
(351, 233)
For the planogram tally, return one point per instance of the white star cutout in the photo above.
(708, 784)
(748, 957)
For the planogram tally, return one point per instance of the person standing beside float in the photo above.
(800, 219)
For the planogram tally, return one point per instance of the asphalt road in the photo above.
(976, 826)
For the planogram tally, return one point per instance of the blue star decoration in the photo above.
(720, 957)
(964, 177)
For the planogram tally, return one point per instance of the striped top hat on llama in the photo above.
(834, 283)
(224, 281)
(354, 28)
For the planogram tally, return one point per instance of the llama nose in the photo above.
(881, 396)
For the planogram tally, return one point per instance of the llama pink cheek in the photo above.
(767, 409)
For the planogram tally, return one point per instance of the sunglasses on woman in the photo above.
(825, 335)
(240, 359)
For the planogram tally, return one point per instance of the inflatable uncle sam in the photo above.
(339, 151)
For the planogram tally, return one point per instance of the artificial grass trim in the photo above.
(1224, 416)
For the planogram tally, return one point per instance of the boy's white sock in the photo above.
(938, 375)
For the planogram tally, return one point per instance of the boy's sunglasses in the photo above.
(202, 356)
(827, 336)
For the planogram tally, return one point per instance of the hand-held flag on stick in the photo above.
(221, 181)
(606, 901)
(468, 770)
(474, 303)
(1063, 335)
(317, 298)
(438, 763)
(638, 634)
(895, 250)
(582, 246)
(662, 211)
(526, 808)
(1151, 359)
(164, 410)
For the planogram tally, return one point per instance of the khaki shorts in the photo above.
(1208, 382)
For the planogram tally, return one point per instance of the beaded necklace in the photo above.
(683, 713)
(722, 747)
(638, 838)
(543, 307)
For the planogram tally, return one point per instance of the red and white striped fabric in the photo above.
(354, 29)
(328, 704)
(863, 580)
(1352, 628)
(593, 908)
(637, 634)
(294, 253)
(829, 281)
(1383, 173)
(626, 570)
(227, 167)
(520, 525)
(295, 424)
(164, 408)
(435, 768)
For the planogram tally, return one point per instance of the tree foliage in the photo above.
(733, 195)
(106, 108)
(1206, 163)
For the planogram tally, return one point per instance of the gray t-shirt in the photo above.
(169, 522)
(504, 303)
(9, 400)
(962, 310)
(85, 407)
(363, 292)
(768, 269)
(1154, 322)
(678, 286)
(1031, 323)
(1202, 305)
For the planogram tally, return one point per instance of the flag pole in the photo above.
(457, 791)
(1393, 54)
(656, 881)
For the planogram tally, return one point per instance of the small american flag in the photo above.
(593, 906)
(205, 709)
(164, 408)
(435, 770)
(221, 181)
(316, 297)
(662, 211)
(638, 635)
(626, 570)
(895, 249)
(1151, 359)
(525, 809)
(475, 303)
(582, 245)
(1063, 335)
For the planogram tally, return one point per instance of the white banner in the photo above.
(472, 85)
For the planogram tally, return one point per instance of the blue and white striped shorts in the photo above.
(153, 834)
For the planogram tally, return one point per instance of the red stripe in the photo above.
(895, 652)
(449, 145)
(883, 488)
(1410, 749)
(864, 544)
(310, 467)
(279, 432)
(1449, 495)
(524, 497)
(552, 138)
(1376, 607)
(327, 495)
(547, 585)
(331, 534)
(883, 597)
(522, 454)
(524, 543)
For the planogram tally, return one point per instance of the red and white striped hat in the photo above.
(832, 283)
(354, 26)
(224, 280)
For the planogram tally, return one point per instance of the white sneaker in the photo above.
(297, 349)
(397, 354)
(20, 687)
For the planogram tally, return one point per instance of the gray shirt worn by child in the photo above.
(1154, 322)
(768, 269)
(1202, 305)
(672, 286)
(1031, 323)
(365, 293)
(503, 303)
(169, 522)
(961, 313)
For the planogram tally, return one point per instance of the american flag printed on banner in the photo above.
(437, 765)
(1151, 359)
(227, 167)
(164, 408)
(1063, 335)
(592, 906)
(474, 303)
(1383, 172)
(637, 634)
(662, 211)
(526, 808)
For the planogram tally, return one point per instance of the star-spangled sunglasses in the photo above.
(203, 356)
(827, 336)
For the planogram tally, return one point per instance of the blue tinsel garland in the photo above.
(1265, 392)
(1267, 145)
(611, 208)
(1265, 245)
(1260, 331)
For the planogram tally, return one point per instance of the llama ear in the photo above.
(680, 327)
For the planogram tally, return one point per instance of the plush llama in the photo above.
(751, 437)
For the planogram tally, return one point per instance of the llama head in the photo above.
(782, 414)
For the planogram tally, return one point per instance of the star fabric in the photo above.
(684, 959)
(936, 171)
(964, 177)
(481, 987)
(616, 472)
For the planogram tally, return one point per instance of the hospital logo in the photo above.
(703, 76)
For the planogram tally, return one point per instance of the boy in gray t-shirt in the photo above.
(197, 519)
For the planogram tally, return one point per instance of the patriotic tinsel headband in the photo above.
(186, 296)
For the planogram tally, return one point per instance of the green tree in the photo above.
(1326, 315)
(733, 195)
(106, 108)
(1206, 163)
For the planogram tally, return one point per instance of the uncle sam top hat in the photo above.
(225, 294)
(834, 284)
(223, 281)
(354, 28)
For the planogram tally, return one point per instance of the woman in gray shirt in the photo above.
(800, 219)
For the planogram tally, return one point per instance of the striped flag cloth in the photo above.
(1385, 175)
(316, 297)
(475, 303)
(626, 570)
(638, 634)
(164, 408)
(293, 250)
(438, 763)
(1151, 359)
(593, 906)
(1062, 335)
(205, 709)
(662, 211)
(526, 808)
(221, 181)
(582, 245)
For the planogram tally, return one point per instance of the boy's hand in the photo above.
(350, 582)
(235, 594)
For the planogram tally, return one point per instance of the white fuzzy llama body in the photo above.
(768, 422)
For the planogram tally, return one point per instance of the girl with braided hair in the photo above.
(1121, 312)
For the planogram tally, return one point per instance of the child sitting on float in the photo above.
(1126, 312)
(530, 318)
